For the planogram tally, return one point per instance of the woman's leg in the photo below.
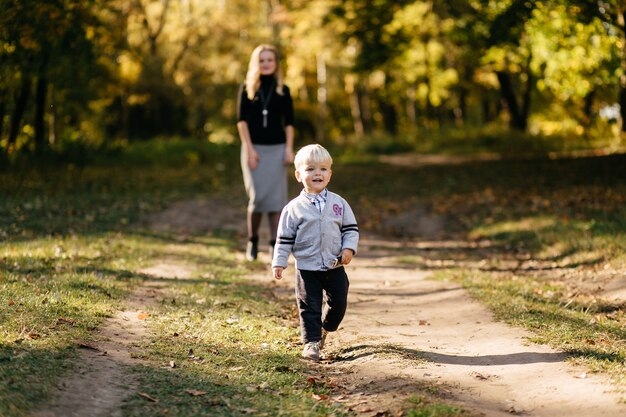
(254, 221)
(274, 218)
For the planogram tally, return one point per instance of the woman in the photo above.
(265, 125)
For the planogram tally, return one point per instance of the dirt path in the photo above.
(102, 381)
(403, 332)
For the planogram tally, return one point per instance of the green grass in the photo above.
(72, 246)
(71, 243)
(591, 331)
(53, 293)
(425, 407)
(491, 138)
(549, 228)
(228, 338)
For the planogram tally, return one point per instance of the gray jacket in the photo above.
(315, 239)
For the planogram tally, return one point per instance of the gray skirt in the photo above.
(267, 184)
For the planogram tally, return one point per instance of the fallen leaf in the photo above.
(63, 320)
(147, 397)
(581, 376)
(143, 316)
(34, 336)
(195, 392)
(340, 398)
(321, 397)
(480, 376)
(424, 323)
(11, 302)
(172, 364)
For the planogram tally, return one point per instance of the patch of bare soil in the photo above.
(403, 335)
(101, 381)
(198, 216)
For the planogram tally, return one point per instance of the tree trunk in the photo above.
(517, 121)
(355, 107)
(321, 98)
(622, 86)
(20, 106)
(588, 108)
(527, 95)
(355, 110)
(366, 109)
(460, 112)
(2, 113)
(41, 92)
(52, 121)
(390, 116)
(411, 107)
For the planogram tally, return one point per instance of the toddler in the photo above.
(319, 228)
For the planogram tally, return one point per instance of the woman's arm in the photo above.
(289, 133)
(246, 142)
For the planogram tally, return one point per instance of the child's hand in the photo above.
(278, 272)
(346, 256)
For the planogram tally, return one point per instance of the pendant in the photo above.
(264, 117)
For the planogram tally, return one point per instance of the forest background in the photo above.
(388, 75)
(114, 112)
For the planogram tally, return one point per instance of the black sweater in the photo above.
(279, 112)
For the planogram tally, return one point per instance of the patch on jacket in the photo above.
(337, 209)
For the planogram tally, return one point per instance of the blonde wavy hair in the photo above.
(253, 77)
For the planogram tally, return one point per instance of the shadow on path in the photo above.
(520, 358)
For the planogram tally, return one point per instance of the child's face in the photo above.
(314, 176)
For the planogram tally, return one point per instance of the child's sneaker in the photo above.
(311, 351)
(323, 339)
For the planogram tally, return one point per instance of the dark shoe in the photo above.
(252, 250)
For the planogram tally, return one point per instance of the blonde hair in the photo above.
(253, 77)
(315, 153)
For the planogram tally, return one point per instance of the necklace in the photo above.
(265, 102)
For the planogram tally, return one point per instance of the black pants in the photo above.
(310, 289)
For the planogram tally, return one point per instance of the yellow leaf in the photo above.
(147, 397)
(195, 392)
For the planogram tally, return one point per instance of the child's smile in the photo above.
(314, 176)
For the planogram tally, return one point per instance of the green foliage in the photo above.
(73, 246)
(112, 71)
(592, 333)
(425, 408)
(92, 198)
